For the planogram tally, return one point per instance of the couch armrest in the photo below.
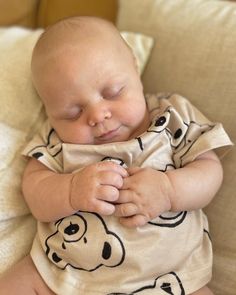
(52, 10)
(21, 13)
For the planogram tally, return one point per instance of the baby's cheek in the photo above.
(76, 135)
(136, 115)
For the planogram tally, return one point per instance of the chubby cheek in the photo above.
(74, 135)
(134, 114)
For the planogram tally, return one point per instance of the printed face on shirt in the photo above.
(92, 90)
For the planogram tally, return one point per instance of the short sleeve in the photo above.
(46, 147)
(190, 132)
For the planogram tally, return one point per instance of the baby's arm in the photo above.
(148, 193)
(51, 196)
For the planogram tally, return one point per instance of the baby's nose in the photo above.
(98, 114)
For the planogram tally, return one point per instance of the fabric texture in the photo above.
(177, 134)
(194, 55)
(21, 114)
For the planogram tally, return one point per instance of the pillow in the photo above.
(194, 55)
(21, 115)
(141, 46)
(21, 111)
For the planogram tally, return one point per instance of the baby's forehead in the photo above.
(75, 34)
(64, 43)
(77, 30)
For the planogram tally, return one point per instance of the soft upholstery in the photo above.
(19, 114)
(53, 10)
(194, 55)
(41, 13)
(21, 13)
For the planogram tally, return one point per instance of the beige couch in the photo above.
(194, 54)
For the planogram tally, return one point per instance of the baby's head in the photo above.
(87, 78)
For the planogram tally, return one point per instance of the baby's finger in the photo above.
(111, 166)
(126, 210)
(127, 183)
(108, 193)
(125, 196)
(133, 170)
(111, 178)
(103, 208)
(133, 221)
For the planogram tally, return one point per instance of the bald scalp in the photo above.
(73, 31)
(75, 37)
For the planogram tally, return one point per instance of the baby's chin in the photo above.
(107, 139)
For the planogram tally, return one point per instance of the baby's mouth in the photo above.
(106, 136)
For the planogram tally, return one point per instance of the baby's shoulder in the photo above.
(160, 102)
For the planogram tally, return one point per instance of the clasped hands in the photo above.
(135, 195)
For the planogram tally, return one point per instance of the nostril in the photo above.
(107, 115)
(91, 123)
(99, 117)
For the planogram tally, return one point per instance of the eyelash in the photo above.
(77, 115)
(114, 95)
(74, 117)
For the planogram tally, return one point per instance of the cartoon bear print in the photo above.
(168, 219)
(188, 140)
(53, 146)
(84, 242)
(168, 283)
(162, 122)
(182, 135)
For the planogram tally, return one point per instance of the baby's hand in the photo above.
(144, 196)
(96, 187)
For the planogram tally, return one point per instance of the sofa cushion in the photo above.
(194, 55)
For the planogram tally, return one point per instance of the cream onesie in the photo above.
(90, 254)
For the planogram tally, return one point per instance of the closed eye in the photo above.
(73, 115)
(111, 93)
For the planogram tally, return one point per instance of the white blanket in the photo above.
(20, 114)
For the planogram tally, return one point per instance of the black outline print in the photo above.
(140, 143)
(169, 219)
(170, 166)
(161, 122)
(118, 161)
(187, 142)
(77, 229)
(180, 133)
(207, 233)
(163, 284)
(53, 145)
